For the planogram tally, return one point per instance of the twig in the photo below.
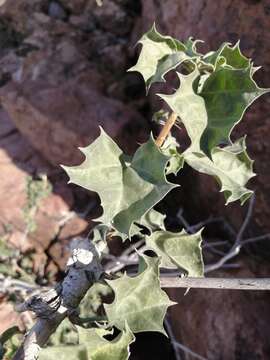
(9, 286)
(255, 239)
(216, 283)
(234, 251)
(172, 338)
(188, 350)
(166, 129)
(214, 244)
(54, 305)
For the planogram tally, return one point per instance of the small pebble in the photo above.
(57, 11)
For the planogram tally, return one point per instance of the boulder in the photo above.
(224, 324)
(19, 161)
(56, 78)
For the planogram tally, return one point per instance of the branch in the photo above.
(234, 251)
(216, 283)
(51, 307)
(166, 129)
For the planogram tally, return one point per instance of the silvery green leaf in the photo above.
(98, 348)
(127, 190)
(227, 93)
(231, 166)
(178, 250)
(234, 57)
(64, 352)
(189, 106)
(158, 56)
(170, 149)
(98, 236)
(139, 300)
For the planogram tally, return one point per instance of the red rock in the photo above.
(57, 128)
(74, 227)
(15, 164)
(59, 253)
(9, 317)
(56, 97)
(223, 324)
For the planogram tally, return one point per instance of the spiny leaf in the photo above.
(189, 106)
(139, 300)
(231, 166)
(158, 56)
(227, 94)
(152, 221)
(214, 57)
(179, 250)
(98, 236)
(227, 56)
(191, 47)
(170, 148)
(233, 56)
(127, 190)
(98, 348)
(64, 352)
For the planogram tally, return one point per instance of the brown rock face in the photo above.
(216, 22)
(59, 120)
(57, 75)
(18, 159)
(223, 325)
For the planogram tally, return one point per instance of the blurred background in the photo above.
(62, 74)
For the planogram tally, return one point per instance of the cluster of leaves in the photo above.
(214, 92)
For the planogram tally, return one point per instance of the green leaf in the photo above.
(64, 352)
(178, 250)
(170, 148)
(231, 166)
(214, 57)
(99, 348)
(152, 221)
(158, 56)
(191, 47)
(127, 190)
(227, 94)
(189, 106)
(233, 56)
(139, 300)
(98, 236)
(93, 300)
(9, 342)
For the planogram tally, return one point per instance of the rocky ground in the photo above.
(62, 74)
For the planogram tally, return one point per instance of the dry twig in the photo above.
(54, 305)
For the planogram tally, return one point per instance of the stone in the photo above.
(57, 11)
(19, 160)
(77, 6)
(74, 227)
(71, 121)
(9, 317)
(112, 17)
(56, 91)
(59, 253)
(224, 324)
